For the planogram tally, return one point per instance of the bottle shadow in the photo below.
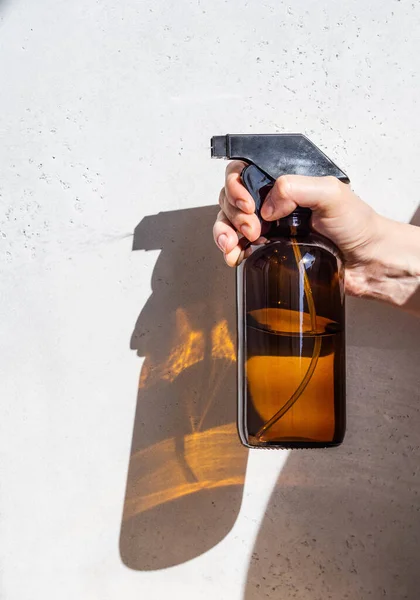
(187, 467)
(345, 523)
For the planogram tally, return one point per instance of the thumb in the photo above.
(321, 194)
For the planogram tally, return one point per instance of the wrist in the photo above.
(389, 268)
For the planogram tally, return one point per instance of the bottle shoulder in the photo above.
(319, 241)
(288, 273)
(325, 248)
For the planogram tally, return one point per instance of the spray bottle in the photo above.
(290, 307)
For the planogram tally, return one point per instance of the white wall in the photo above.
(106, 111)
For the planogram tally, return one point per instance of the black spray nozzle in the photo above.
(277, 154)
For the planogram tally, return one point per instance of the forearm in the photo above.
(391, 269)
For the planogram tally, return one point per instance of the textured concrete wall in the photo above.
(120, 473)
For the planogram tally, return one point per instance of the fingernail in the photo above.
(222, 241)
(246, 230)
(268, 209)
(242, 205)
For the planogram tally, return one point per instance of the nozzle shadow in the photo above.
(187, 467)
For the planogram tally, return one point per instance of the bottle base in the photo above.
(289, 444)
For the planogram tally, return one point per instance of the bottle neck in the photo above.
(297, 224)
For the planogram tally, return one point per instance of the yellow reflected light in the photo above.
(202, 459)
(189, 350)
(164, 472)
(222, 344)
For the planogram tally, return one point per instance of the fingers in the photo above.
(322, 194)
(227, 240)
(237, 214)
(247, 224)
(237, 203)
(224, 234)
(236, 194)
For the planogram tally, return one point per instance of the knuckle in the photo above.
(236, 166)
(229, 168)
(284, 187)
(218, 224)
(222, 198)
(335, 185)
(230, 188)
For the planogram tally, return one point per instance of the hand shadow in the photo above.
(345, 523)
(187, 467)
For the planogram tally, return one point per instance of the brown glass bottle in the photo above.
(291, 347)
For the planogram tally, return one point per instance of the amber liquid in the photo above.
(282, 350)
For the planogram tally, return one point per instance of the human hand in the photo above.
(338, 214)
